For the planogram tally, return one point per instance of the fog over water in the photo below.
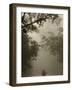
(45, 61)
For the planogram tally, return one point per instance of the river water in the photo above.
(46, 63)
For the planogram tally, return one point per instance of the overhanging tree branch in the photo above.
(40, 19)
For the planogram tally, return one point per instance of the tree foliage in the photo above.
(29, 52)
(30, 21)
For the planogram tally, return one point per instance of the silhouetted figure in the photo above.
(43, 73)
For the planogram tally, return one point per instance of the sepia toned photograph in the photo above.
(42, 44)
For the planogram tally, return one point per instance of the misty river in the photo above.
(47, 63)
(44, 63)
